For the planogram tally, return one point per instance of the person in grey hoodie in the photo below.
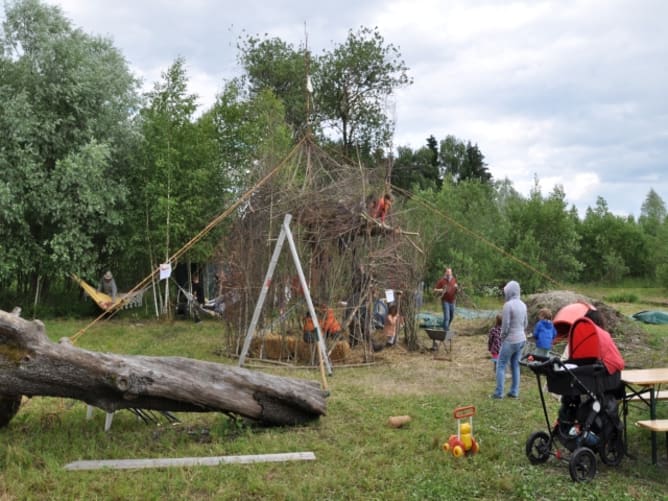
(513, 325)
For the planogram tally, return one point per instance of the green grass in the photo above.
(358, 456)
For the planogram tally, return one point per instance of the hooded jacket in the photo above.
(514, 316)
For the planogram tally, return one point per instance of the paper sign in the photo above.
(389, 296)
(165, 271)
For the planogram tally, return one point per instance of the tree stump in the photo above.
(33, 365)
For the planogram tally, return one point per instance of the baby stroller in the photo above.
(588, 423)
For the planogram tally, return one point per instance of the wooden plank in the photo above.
(660, 395)
(133, 464)
(654, 424)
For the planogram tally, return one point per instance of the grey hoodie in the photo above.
(514, 316)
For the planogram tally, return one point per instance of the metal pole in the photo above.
(324, 358)
(263, 291)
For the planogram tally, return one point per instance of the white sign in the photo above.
(165, 271)
(389, 296)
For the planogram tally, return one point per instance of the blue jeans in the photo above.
(448, 315)
(510, 352)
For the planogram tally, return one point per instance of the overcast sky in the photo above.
(570, 91)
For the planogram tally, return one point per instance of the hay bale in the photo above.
(273, 346)
(277, 347)
(340, 351)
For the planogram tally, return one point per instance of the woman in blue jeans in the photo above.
(513, 325)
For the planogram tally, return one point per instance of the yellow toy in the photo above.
(463, 442)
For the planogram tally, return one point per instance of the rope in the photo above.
(214, 222)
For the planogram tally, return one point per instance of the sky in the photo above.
(566, 92)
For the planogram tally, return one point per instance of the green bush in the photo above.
(621, 297)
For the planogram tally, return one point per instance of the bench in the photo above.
(660, 395)
(655, 426)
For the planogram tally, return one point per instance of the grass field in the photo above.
(357, 455)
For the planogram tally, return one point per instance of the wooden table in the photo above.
(641, 382)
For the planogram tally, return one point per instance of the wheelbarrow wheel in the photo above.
(582, 465)
(538, 447)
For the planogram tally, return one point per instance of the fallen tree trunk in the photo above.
(32, 365)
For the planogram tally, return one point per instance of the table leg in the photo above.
(652, 415)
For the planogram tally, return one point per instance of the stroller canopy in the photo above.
(566, 316)
(588, 340)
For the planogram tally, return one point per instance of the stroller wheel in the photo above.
(612, 451)
(538, 447)
(582, 465)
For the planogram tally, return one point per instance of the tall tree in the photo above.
(461, 161)
(652, 213)
(543, 234)
(353, 85)
(652, 221)
(251, 133)
(612, 247)
(178, 186)
(273, 64)
(66, 100)
(417, 169)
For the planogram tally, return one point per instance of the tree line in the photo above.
(96, 175)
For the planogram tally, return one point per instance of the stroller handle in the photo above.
(544, 362)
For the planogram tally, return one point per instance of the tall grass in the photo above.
(358, 455)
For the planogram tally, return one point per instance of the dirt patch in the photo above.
(425, 372)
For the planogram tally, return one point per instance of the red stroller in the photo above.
(589, 383)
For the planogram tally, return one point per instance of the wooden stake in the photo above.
(134, 464)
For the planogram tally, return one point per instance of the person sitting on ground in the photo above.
(392, 322)
(108, 286)
(494, 340)
(544, 333)
(310, 334)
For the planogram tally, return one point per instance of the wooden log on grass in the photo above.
(32, 365)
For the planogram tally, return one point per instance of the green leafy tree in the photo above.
(251, 133)
(652, 213)
(460, 228)
(547, 223)
(461, 161)
(652, 220)
(272, 64)
(417, 169)
(178, 186)
(608, 240)
(66, 100)
(353, 85)
(662, 258)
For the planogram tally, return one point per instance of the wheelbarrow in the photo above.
(440, 336)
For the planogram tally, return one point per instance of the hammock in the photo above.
(104, 301)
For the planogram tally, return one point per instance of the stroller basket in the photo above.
(574, 377)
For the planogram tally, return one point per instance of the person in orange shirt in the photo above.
(383, 207)
(330, 326)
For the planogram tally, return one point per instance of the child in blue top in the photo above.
(544, 332)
